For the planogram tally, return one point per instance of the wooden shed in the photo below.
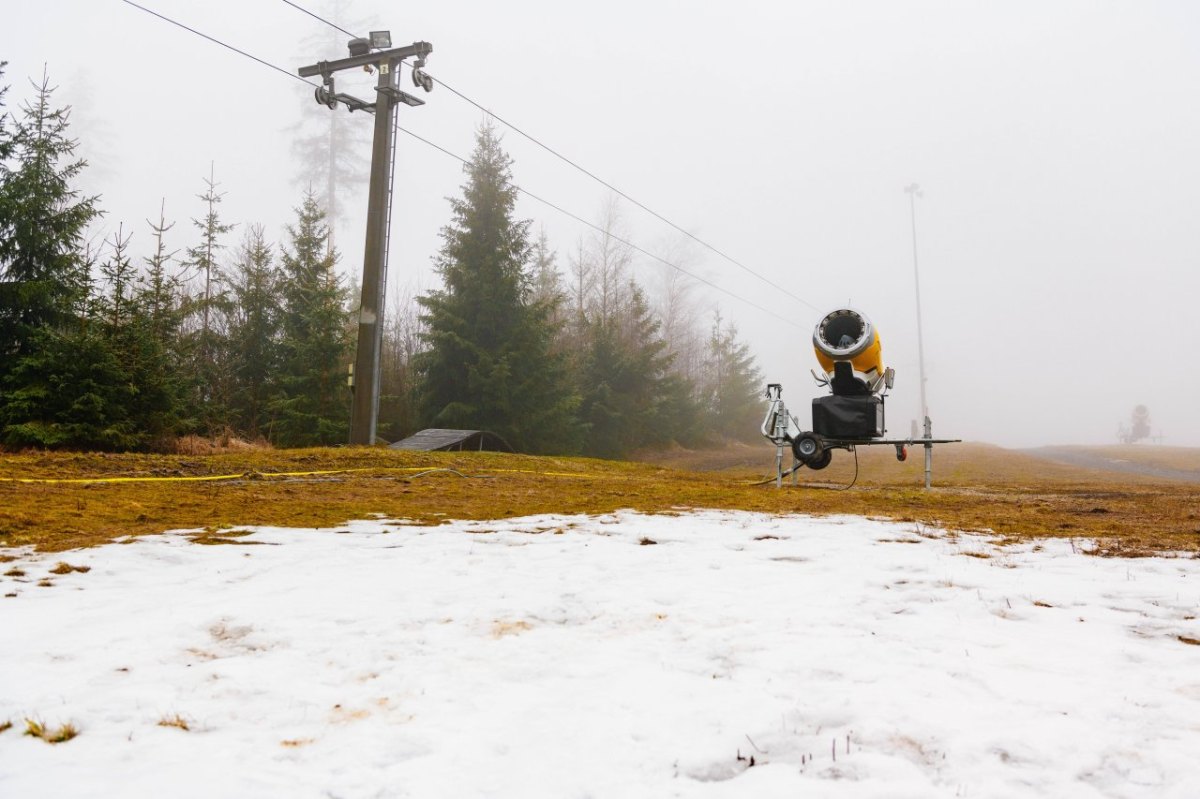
(436, 439)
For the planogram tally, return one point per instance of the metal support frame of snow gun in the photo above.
(848, 348)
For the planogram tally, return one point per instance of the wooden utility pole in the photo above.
(368, 52)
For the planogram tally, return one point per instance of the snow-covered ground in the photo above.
(567, 657)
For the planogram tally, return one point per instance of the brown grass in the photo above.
(37, 729)
(215, 445)
(977, 487)
(5, 726)
(1182, 459)
(175, 720)
(66, 568)
(501, 628)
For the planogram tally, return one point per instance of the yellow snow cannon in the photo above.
(848, 348)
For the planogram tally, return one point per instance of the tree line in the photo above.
(228, 336)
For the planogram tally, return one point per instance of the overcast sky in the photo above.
(1057, 145)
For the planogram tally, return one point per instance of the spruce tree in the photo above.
(204, 343)
(628, 395)
(734, 385)
(490, 363)
(146, 395)
(203, 258)
(331, 150)
(68, 391)
(102, 382)
(159, 290)
(159, 302)
(546, 280)
(253, 331)
(6, 142)
(43, 269)
(56, 372)
(311, 405)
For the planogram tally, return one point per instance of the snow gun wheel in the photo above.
(807, 448)
(822, 460)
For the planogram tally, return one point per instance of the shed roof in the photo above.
(440, 439)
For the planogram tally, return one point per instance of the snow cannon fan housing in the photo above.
(848, 349)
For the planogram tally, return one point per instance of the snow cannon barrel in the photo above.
(847, 347)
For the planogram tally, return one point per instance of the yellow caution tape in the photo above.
(212, 478)
(207, 478)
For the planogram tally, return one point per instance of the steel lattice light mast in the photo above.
(914, 191)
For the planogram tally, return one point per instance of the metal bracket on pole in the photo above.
(419, 49)
(401, 96)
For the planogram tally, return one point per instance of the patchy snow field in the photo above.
(567, 657)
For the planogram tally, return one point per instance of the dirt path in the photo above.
(1092, 460)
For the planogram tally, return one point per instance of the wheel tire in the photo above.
(822, 460)
(806, 448)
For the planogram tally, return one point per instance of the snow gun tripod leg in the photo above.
(928, 453)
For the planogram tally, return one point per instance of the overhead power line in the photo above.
(611, 235)
(459, 158)
(586, 172)
(618, 191)
(216, 41)
(320, 18)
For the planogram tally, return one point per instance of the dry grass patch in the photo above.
(5, 726)
(977, 488)
(503, 628)
(226, 442)
(51, 735)
(66, 568)
(175, 720)
(211, 537)
(1181, 459)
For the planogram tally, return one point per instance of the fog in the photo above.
(1056, 145)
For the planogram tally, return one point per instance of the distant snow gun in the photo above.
(849, 352)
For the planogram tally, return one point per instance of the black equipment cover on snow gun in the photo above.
(848, 417)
